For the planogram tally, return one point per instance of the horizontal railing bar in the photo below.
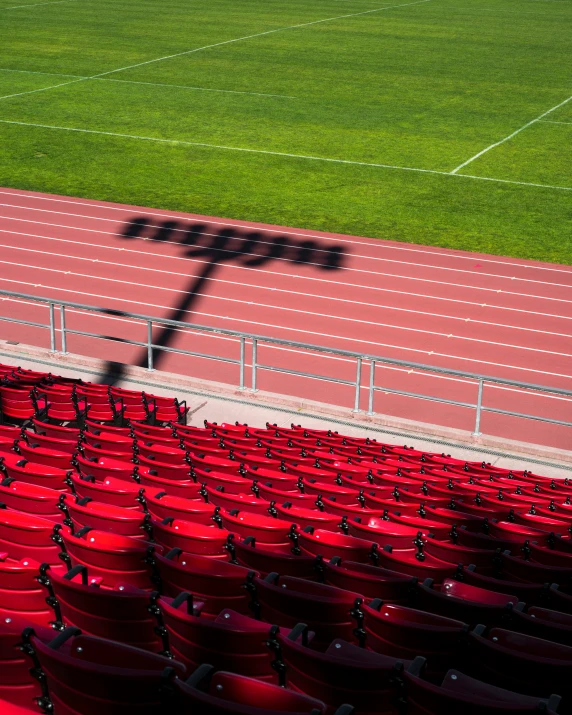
(26, 322)
(277, 341)
(192, 354)
(526, 417)
(442, 400)
(124, 341)
(305, 374)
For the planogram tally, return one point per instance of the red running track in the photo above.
(478, 313)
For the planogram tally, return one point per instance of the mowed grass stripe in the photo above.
(410, 87)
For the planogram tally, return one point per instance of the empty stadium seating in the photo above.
(148, 566)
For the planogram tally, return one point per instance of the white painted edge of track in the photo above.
(349, 240)
(37, 4)
(250, 239)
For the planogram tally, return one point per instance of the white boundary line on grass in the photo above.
(306, 157)
(346, 240)
(208, 47)
(153, 84)
(552, 121)
(37, 4)
(510, 136)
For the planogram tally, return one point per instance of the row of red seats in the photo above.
(364, 586)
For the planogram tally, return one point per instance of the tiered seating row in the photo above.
(147, 566)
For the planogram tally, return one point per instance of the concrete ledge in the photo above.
(175, 382)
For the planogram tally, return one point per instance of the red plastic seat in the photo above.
(191, 537)
(319, 542)
(384, 532)
(542, 623)
(121, 614)
(522, 663)
(17, 686)
(242, 501)
(223, 693)
(469, 604)
(114, 558)
(48, 456)
(16, 467)
(104, 467)
(459, 693)
(104, 517)
(230, 640)
(231, 483)
(162, 505)
(415, 563)
(344, 673)
(304, 516)
(30, 498)
(90, 676)
(284, 600)
(486, 560)
(20, 593)
(406, 633)
(371, 581)
(265, 529)
(27, 536)
(110, 490)
(217, 584)
(267, 558)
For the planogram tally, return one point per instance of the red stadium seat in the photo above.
(459, 693)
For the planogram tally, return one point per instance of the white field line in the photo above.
(37, 4)
(208, 47)
(180, 142)
(256, 304)
(152, 84)
(286, 260)
(193, 261)
(510, 136)
(250, 323)
(552, 121)
(349, 240)
(300, 352)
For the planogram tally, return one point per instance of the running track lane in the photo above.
(472, 312)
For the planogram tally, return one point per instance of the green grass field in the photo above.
(339, 115)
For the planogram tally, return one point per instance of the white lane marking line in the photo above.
(200, 89)
(221, 147)
(211, 296)
(273, 273)
(152, 84)
(279, 328)
(37, 4)
(377, 243)
(267, 243)
(424, 296)
(552, 121)
(510, 136)
(208, 47)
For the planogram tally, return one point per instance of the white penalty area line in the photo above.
(208, 47)
(510, 136)
(152, 84)
(221, 147)
(37, 4)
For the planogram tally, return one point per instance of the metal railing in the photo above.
(360, 358)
